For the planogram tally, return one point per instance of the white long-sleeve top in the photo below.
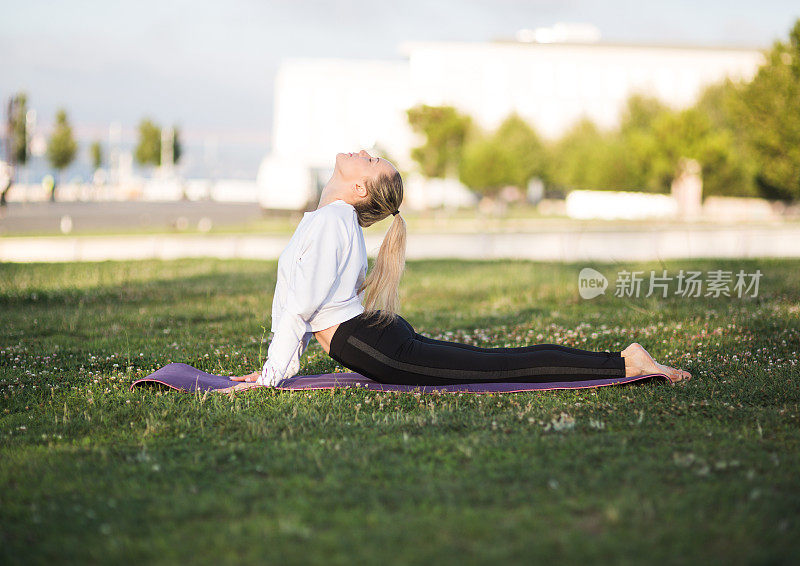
(319, 274)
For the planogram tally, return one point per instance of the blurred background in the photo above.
(505, 117)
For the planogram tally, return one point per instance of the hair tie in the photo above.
(395, 213)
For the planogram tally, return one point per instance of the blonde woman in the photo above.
(324, 290)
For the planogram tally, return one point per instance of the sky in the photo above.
(208, 65)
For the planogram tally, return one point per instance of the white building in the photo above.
(324, 106)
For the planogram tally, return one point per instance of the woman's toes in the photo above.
(682, 375)
(673, 375)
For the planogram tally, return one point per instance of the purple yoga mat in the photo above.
(186, 378)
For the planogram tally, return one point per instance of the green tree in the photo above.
(735, 174)
(485, 166)
(177, 146)
(677, 134)
(96, 153)
(526, 152)
(637, 144)
(640, 112)
(16, 139)
(587, 158)
(62, 147)
(690, 133)
(768, 108)
(644, 152)
(148, 150)
(445, 130)
(511, 156)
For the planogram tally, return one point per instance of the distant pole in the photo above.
(210, 157)
(30, 128)
(10, 107)
(9, 147)
(167, 141)
(114, 138)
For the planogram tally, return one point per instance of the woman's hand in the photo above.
(249, 383)
(249, 377)
(237, 387)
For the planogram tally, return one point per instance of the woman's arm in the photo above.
(314, 271)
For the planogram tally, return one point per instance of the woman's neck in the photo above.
(336, 188)
(332, 191)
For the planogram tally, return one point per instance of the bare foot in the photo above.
(639, 362)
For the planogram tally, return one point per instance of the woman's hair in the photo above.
(384, 195)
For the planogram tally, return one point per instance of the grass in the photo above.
(91, 472)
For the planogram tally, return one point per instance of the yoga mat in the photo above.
(186, 378)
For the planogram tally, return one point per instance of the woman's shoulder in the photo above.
(337, 214)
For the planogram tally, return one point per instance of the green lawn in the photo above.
(91, 472)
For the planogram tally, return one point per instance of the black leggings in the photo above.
(395, 353)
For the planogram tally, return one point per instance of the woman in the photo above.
(322, 281)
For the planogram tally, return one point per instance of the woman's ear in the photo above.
(360, 190)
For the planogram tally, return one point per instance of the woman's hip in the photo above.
(362, 329)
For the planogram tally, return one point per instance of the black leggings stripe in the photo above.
(501, 350)
(397, 354)
(515, 350)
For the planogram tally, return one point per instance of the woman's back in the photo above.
(330, 239)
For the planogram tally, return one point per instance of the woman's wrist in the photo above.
(268, 376)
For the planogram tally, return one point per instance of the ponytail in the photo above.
(383, 282)
(381, 285)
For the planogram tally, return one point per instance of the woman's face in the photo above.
(355, 167)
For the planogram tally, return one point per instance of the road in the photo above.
(46, 217)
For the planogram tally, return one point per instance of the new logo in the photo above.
(591, 283)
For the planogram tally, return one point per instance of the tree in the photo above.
(177, 146)
(636, 142)
(62, 147)
(485, 166)
(691, 134)
(639, 113)
(735, 174)
(525, 149)
(445, 130)
(511, 156)
(768, 108)
(16, 139)
(148, 150)
(644, 153)
(96, 152)
(579, 160)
